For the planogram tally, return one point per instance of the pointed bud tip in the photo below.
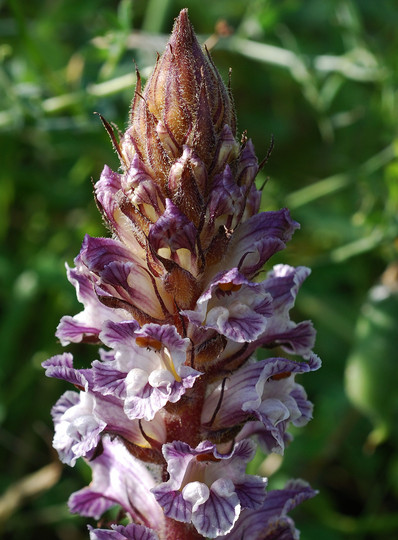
(183, 17)
(183, 34)
(184, 103)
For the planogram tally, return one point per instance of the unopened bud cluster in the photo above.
(171, 412)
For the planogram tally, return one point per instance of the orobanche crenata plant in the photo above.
(173, 409)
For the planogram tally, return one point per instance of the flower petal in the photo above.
(233, 306)
(258, 238)
(118, 478)
(270, 522)
(120, 532)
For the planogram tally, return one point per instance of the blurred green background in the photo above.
(321, 76)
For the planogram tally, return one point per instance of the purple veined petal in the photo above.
(234, 307)
(293, 338)
(174, 505)
(121, 274)
(108, 380)
(253, 202)
(238, 456)
(121, 334)
(143, 400)
(118, 478)
(66, 401)
(271, 439)
(281, 529)
(145, 396)
(112, 412)
(80, 419)
(149, 367)
(257, 239)
(238, 323)
(283, 283)
(226, 198)
(276, 224)
(208, 488)
(305, 407)
(234, 196)
(70, 330)
(131, 531)
(254, 258)
(141, 190)
(106, 355)
(112, 192)
(77, 429)
(86, 324)
(218, 512)
(265, 390)
(109, 375)
(270, 522)
(173, 232)
(97, 253)
(61, 367)
(131, 283)
(108, 192)
(247, 168)
(251, 492)
(106, 189)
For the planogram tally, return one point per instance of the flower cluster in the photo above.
(170, 414)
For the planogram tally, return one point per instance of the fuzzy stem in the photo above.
(176, 530)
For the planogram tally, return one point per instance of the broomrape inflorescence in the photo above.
(170, 414)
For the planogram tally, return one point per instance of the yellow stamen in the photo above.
(168, 362)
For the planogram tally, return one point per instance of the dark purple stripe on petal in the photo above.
(251, 493)
(173, 230)
(174, 505)
(89, 503)
(70, 330)
(61, 367)
(218, 514)
(120, 532)
(270, 522)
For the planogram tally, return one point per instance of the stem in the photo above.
(176, 530)
(183, 423)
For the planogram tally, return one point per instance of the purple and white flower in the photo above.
(81, 419)
(148, 368)
(207, 488)
(262, 392)
(118, 479)
(235, 307)
(270, 521)
(170, 413)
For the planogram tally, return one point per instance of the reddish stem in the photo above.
(176, 530)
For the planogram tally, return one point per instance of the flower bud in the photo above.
(178, 121)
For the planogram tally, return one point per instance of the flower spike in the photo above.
(173, 408)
